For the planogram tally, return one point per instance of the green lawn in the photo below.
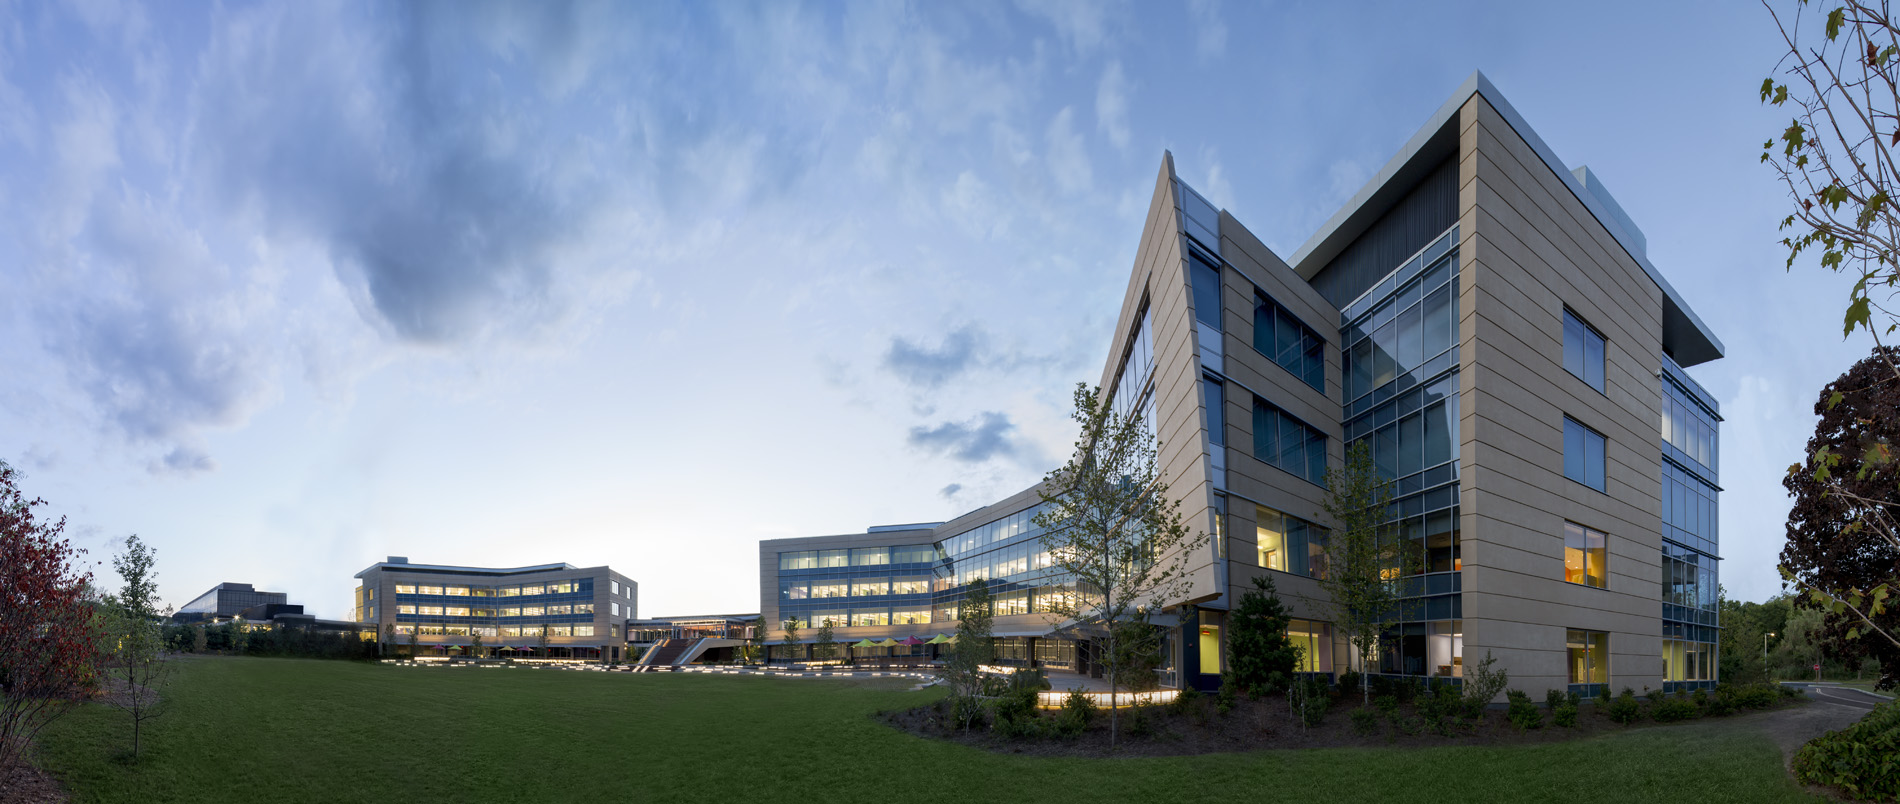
(292, 730)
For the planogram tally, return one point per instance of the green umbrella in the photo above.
(864, 643)
(889, 643)
(938, 640)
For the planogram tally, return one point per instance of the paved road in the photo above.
(1841, 696)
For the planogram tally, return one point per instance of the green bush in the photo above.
(1863, 760)
(1365, 721)
(1187, 701)
(1308, 699)
(1555, 698)
(1140, 723)
(1349, 682)
(1565, 715)
(1624, 709)
(1673, 710)
(1522, 712)
(1482, 684)
(1015, 705)
(1229, 693)
(1078, 710)
(1389, 704)
(1754, 696)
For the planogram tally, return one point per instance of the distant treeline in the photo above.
(252, 640)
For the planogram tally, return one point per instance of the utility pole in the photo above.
(1764, 653)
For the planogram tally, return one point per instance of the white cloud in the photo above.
(1210, 31)
(1214, 184)
(1083, 26)
(1068, 155)
(1111, 105)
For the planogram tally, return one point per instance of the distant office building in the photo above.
(580, 612)
(227, 600)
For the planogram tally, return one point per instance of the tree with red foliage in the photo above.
(49, 658)
(1843, 547)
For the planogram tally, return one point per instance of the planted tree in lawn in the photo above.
(140, 664)
(389, 638)
(49, 649)
(474, 643)
(755, 641)
(415, 640)
(1363, 599)
(1259, 652)
(543, 641)
(962, 670)
(824, 647)
(790, 627)
(1839, 75)
(1111, 528)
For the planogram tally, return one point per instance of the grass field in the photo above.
(256, 730)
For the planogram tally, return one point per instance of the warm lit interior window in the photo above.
(1586, 556)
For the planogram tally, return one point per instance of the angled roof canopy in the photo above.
(1688, 340)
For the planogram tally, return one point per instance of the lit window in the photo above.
(1589, 656)
(455, 611)
(458, 591)
(405, 589)
(583, 608)
(405, 609)
(428, 590)
(1583, 351)
(583, 630)
(860, 588)
(1586, 556)
(510, 591)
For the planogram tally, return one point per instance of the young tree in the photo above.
(1110, 526)
(1842, 497)
(1837, 158)
(542, 641)
(962, 671)
(139, 660)
(198, 639)
(389, 638)
(49, 651)
(755, 641)
(474, 643)
(415, 638)
(1260, 653)
(1362, 598)
(790, 627)
(824, 648)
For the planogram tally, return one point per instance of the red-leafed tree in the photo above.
(48, 654)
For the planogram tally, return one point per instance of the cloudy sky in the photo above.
(292, 287)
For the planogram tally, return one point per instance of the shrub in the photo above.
(1389, 704)
(1565, 715)
(1349, 682)
(1654, 696)
(1140, 723)
(1863, 760)
(1573, 698)
(1624, 709)
(1015, 707)
(1482, 684)
(1673, 710)
(1522, 712)
(1078, 710)
(1187, 701)
(1229, 693)
(1603, 694)
(1555, 698)
(1788, 693)
(1308, 699)
(1755, 696)
(1406, 689)
(1438, 708)
(1701, 698)
(1365, 721)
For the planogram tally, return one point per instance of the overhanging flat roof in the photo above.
(1687, 338)
(466, 570)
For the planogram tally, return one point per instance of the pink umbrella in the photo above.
(912, 641)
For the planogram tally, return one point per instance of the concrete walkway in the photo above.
(1834, 708)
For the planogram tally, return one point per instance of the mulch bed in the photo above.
(30, 785)
(1252, 725)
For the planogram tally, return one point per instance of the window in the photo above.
(583, 608)
(910, 586)
(1288, 543)
(804, 559)
(834, 558)
(1589, 656)
(584, 630)
(405, 589)
(1688, 661)
(877, 587)
(1583, 454)
(560, 609)
(457, 591)
(428, 590)
(1586, 557)
(616, 609)
(1583, 351)
(1285, 442)
(533, 611)
(917, 617)
(870, 556)
(1286, 340)
(1216, 404)
(429, 611)
(510, 591)
(830, 589)
(455, 611)
(615, 585)
(405, 609)
(1311, 638)
(1204, 276)
(531, 590)
(913, 554)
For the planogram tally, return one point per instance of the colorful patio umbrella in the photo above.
(913, 641)
(864, 643)
(939, 640)
(889, 643)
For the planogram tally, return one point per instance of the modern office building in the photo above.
(580, 612)
(1488, 322)
(225, 601)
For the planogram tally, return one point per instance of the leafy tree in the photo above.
(140, 665)
(1837, 160)
(389, 637)
(415, 639)
(962, 671)
(1110, 526)
(49, 652)
(1259, 652)
(198, 639)
(1842, 547)
(755, 641)
(1363, 599)
(474, 643)
(824, 647)
(791, 638)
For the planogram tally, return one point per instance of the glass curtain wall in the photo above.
(1401, 400)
